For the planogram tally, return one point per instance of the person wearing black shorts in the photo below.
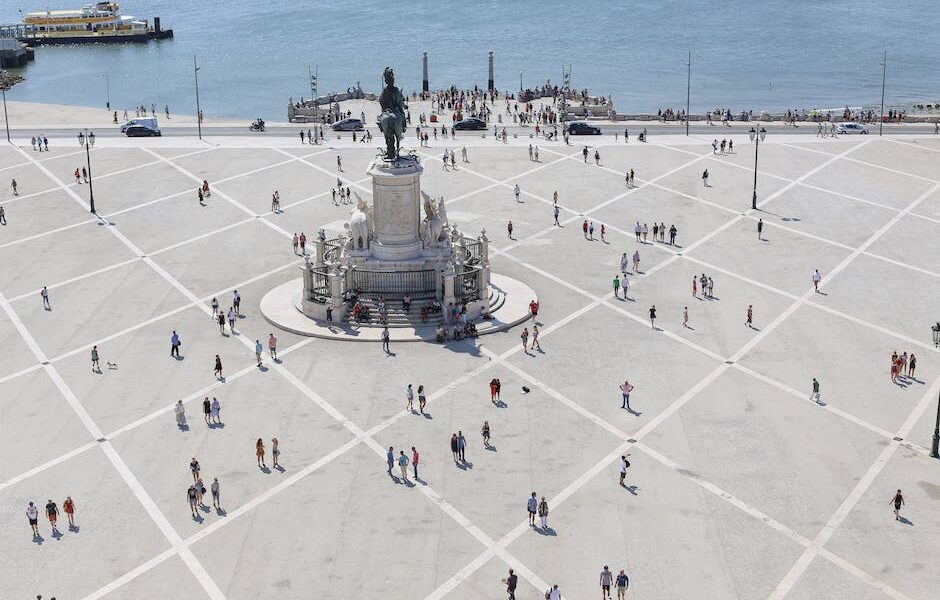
(898, 501)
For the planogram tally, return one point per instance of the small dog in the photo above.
(525, 390)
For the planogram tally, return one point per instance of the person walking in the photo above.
(275, 452)
(385, 340)
(32, 514)
(231, 319)
(390, 459)
(606, 579)
(461, 446)
(454, 449)
(3, 216)
(409, 399)
(194, 468)
(414, 461)
(636, 261)
(422, 399)
(45, 298)
(218, 367)
(653, 316)
(236, 302)
(509, 229)
(624, 465)
(303, 243)
(622, 583)
(516, 191)
(180, 411)
(815, 394)
(511, 582)
(616, 286)
(295, 242)
(95, 366)
(898, 502)
(525, 339)
(816, 279)
(52, 513)
(584, 229)
(760, 229)
(543, 513)
(557, 211)
(535, 338)
(624, 265)
(403, 465)
(532, 506)
(191, 497)
(554, 593)
(206, 409)
(272, 346)
(259, 453)
(749, 321)
(175, 344)
(214, 409)
(685, 317)
(485, 432)
(705, 178)
(258, 349)
(216, 498)
(493, 391)
(625, 388)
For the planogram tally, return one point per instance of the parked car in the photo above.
(852, 128)
(470, 123)
(348, 125)
(141, 131)
(582, 128)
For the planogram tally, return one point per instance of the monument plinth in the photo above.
(396, 209)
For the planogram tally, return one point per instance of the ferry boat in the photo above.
(101, 22)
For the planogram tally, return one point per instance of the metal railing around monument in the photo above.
(317, 284)
(396, 283)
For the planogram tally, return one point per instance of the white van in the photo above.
(149, 122)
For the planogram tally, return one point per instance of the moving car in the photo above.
(470, 123)
(582, 128)
(150, 122)
(852, 128)
(141, 131)
(348, 125)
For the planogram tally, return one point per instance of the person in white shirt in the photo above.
(516, 191)
(32, 513)
(816, 279)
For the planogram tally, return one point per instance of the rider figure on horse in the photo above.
(392, 121)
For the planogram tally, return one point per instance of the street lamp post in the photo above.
(87, 139)
(935, 448)
(884, 75)
(7, 81)
(198, 109)
(688, 94)
(757, 137)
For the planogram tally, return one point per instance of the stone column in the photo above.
(424, 81)
(484, 249)
(489, 83)
(321, 252)
(450, 296)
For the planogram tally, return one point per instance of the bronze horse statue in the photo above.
(392, 120)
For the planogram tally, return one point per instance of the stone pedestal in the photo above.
(396, 209)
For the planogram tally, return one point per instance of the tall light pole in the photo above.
(884, 75)
(520, 80)
(935, 449)
(7, 81)
(688, 94)
(107, 83)
(87, 139)
(198, 108)
(757, 137)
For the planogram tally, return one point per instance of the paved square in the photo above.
(741, 485)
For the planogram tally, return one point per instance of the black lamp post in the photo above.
(198, 108)
(87, 139)
(7, 81)
(935, 449)
(757, 137)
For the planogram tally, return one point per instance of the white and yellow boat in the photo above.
(101, 22)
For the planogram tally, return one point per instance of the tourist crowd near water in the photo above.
(454, 324)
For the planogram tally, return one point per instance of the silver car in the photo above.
(852, 128)
(347, 125)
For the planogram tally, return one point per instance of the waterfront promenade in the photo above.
(740, 484)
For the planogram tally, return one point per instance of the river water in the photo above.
(770, 55)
